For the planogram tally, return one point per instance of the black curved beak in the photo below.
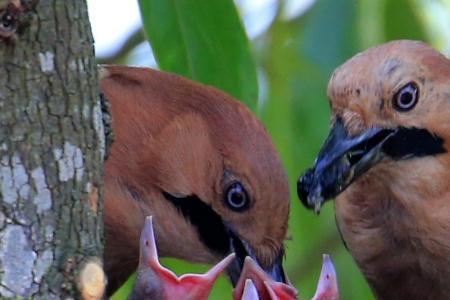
(341, 160)
(242, 250)
(344, 158)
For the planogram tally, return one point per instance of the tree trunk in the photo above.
(51, 153)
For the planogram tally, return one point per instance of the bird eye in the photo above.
(236, 197)
(406, 98)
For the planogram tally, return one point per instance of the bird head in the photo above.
(220, 172)
(390, 104)
(201, 164)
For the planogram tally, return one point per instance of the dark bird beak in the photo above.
(341, 160)
(242, 250)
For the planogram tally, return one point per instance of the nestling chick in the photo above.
(386, 162)
(154, 282)
(201, 164)
(250, 292)
(327, 287)
(255, 284)
(266, 288)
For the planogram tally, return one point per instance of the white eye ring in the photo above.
(236, 197)
(406, 97)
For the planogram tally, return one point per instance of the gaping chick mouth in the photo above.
(220, 237)
(344, 158)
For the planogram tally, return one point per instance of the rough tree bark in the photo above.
(51, 152)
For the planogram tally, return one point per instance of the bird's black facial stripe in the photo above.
(208, 223)
(220, 237)
(413, 142)
(345, 158)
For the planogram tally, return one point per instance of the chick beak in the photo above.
(154, 279)
(243, 250)
(256, 284)
(250, 292)
(327, 287)
(341, 160)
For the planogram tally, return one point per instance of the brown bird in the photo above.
(201, 164)
(386, 163)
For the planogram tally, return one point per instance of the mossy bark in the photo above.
(51, 152)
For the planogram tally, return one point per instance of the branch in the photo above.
(134, 39)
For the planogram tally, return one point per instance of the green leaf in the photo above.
(202, 40)
(401, 21)
(385, 20)
(299, 60)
